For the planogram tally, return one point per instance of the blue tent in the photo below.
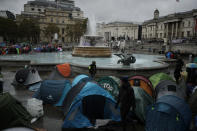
(85, 101)
(53, 91)
(169, 113)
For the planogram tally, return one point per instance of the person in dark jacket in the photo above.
(126, 98)
(92, 69)
(178, 69)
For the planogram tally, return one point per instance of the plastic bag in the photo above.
(35, 107)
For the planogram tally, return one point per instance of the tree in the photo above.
(75, 31)
(50, 30)
(29, 30)
(8, 29)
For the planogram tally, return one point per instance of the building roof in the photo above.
(67, 5)
(177, 16)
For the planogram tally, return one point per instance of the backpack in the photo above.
(22, 75)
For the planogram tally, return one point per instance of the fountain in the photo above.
(92, 45)
(91, 48)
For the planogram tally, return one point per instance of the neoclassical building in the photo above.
(118, 29)
(173, 26)
(59, 12)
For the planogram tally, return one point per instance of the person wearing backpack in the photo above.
(92, 69)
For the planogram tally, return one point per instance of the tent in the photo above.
(142, 99)
(53, 91)
(87, 101)
(169, 113)
(61, 72)
(12, 113)
(142, 82)
(156, 78)
(26, 77)
(193, 103)
(167, 87)
(195, 60)
(191, 81)
(111, 84)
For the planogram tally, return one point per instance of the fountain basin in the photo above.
(92, 51)
(145, 64)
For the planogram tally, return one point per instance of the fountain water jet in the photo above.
(92, 45)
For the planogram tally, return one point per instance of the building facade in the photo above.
(62, 13)
(171, 27)
(127, 30)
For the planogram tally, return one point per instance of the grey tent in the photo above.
(26, 77)
(167, 87)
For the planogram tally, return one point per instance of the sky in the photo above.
(117, 10)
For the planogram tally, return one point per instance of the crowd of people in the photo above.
(27, 48)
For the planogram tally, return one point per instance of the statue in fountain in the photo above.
(126, 59)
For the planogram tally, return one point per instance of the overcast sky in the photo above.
(117, 10)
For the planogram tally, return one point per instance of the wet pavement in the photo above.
(53, 116)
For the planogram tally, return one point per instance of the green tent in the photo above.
(142, 101)
(111, 84)
(195, 60)
(12, 113)
(156, 78)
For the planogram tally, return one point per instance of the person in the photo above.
(92, 69)
(126, 98)
(178, 69)
(1, 82)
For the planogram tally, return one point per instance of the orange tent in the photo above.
(142, 82)
(64, 69)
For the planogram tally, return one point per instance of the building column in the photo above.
(176, 35)
(172, 31)
(167, 31)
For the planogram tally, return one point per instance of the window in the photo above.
(165, 26)
(160, 35)
(173, 34)
(182, 34)
(62, 30)
(164, 35)
(188, 33)
(62, 21)
(62, 39)
(183, 24)
(189, 23)
(32, 9)
(39, 10)
(51, 20)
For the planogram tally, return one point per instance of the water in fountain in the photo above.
(91, 39)
(91, 31)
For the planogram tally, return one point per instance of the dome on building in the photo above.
(156, 11)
